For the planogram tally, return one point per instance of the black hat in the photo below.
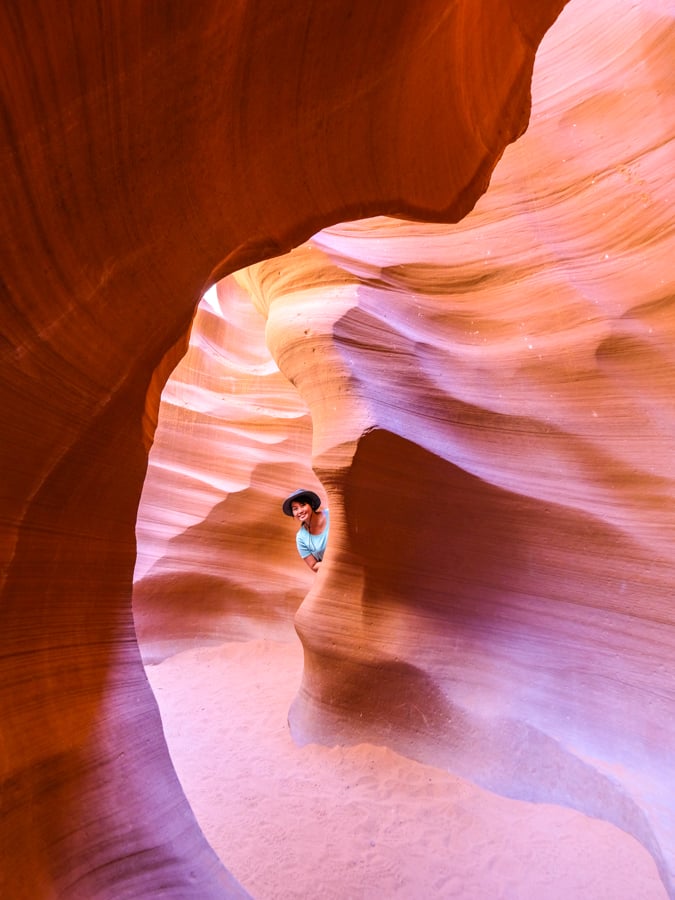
(302, 496)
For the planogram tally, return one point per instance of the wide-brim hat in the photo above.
(302, 495)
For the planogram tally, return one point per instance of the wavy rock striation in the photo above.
(497, 395)
(233, 436)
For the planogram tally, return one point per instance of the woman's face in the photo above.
(301, 511)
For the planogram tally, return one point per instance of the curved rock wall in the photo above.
(148, 151)
(493, 420)
(233, 438)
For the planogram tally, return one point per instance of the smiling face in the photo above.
(301, 511)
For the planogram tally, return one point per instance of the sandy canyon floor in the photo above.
(363, 822)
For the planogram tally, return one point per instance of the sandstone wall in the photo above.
(149, 151)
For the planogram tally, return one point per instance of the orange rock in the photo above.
(496, 396)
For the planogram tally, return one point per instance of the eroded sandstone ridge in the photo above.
(499, 395)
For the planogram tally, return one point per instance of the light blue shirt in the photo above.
(313, 544)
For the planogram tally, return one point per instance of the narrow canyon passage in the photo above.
(225, 666)
(386, 330)
(495, 518)
(485, 348)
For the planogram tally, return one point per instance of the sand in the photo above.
(363, 822)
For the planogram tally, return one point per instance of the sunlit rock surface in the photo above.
(234, 437)
(498, 396)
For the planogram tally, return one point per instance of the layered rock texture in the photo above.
(233, 436)
(487, 405)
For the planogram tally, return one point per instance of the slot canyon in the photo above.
(417, 257)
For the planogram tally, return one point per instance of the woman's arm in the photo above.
(312, 562)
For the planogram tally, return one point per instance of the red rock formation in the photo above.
(148, 151)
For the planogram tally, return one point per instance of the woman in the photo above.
(305, 507)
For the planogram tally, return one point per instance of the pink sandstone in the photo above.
(491, 402)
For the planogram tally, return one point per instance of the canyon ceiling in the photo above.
(465, 343)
